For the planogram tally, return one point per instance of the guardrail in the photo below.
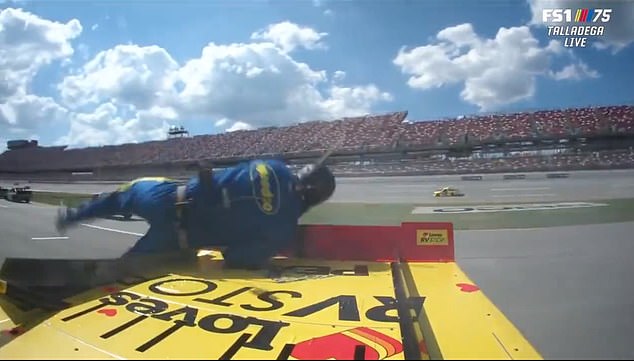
(514, 176)
(471, 177)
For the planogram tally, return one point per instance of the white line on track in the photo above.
(47, 238)
(523, 195)
(520, 189)
(33, 206)
(111, 229)
(3, 206)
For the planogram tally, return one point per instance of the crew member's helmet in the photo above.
(317, 184)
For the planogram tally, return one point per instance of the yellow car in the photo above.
(448, 192)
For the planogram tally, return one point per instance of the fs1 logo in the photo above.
(579, 24)
(581, 15)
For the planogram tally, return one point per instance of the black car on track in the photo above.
(17, 194)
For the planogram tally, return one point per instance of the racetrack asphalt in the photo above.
(587, 185)
(28, 231)
(568, 289)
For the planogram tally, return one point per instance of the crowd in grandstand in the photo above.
(388, 132)
(590, 160)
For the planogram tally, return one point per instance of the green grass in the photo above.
(54, 198)
(620, 210)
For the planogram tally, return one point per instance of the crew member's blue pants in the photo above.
(154, 200)
(150, 198)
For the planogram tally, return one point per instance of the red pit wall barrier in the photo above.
(411, 241)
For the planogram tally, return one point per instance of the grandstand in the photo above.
(580, 138)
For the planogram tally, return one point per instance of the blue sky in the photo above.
(92, 102)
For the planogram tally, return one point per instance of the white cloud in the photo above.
(350, 101)
(619, 31)
(338, 75)
(128, 73)
(575, 72)
(239, 126)
(94, 27)
(261, 85)
(27, 44)
(495, 71)
(133, 91)
(159, 112)
(107, 125)
(29, 111)
(221, 122)
(289, 36)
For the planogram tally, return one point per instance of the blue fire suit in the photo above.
(251, 209)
